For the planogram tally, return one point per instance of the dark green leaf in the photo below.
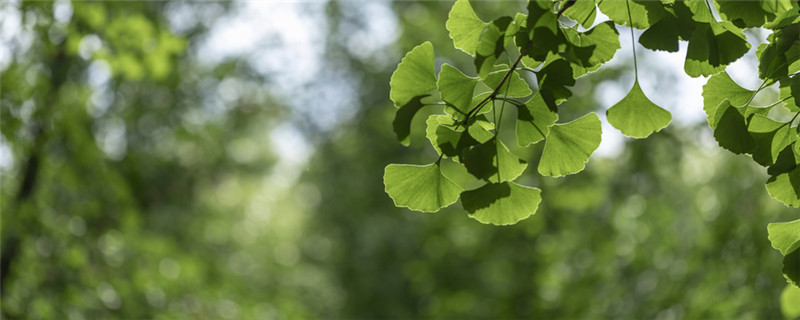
(712, 47)
(403, 117)
(491, 45)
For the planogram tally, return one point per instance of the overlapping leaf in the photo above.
(712, 47)
(534, 120)
(492, 161)
(456, 88)
(785, 237)
(410, 83)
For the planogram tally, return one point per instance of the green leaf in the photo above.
(534, 120)
(491, 45)
(720, 87)
(771, 137)
(514, 86)
(731, 130)
(492, 161)
(445, 138)
(785, 187)
(791, 268)
(465, 27)
(420, 188)
(542, 27)
(772, 59)
(502, 203)
(456, 88)
(415, 75)
(790, 302)
(676, 24)
(569, 145)
(784, 236)
(712, 47)
(700, 11)
(590, 49)
(583, 12)
(744, 14)
(553, 81)
(403, 117)
(636, 116)
(645, 13)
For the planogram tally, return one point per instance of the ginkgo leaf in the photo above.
(700, 10)
(534, 120)
(645, 13)
(595, 46)
(553, 81)
(420, 188)
(492, 161)
(415, 75)
(491, 45)
(569, 145)
(464, 26)
(771, 138)
(744, 14)
(514, 86)
(784, 236)
(446, 137)
(502, 203)
(720, 87)
(712, 47)
(456, 88)
(676, 24)
(583, 12)
(785, 187)
(403, 117)
(731, 130)
(636, 116)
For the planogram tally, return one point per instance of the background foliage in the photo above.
(142, 181)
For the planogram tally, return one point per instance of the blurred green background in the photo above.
(214, 160)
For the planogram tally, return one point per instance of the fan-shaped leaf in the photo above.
(569, 145)
(502, 203)
(534, 120)
(465, 27)
(420, 188)
(636, 116)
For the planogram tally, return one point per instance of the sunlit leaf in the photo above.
(420, 188)
(534, 120)
(465, 27)
(456, 88)
(492, 161)
(414, 76)
(514, 86)
(636, 116)
(502, 203)
(569, 145)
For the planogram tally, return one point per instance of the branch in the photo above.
(502, 81)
